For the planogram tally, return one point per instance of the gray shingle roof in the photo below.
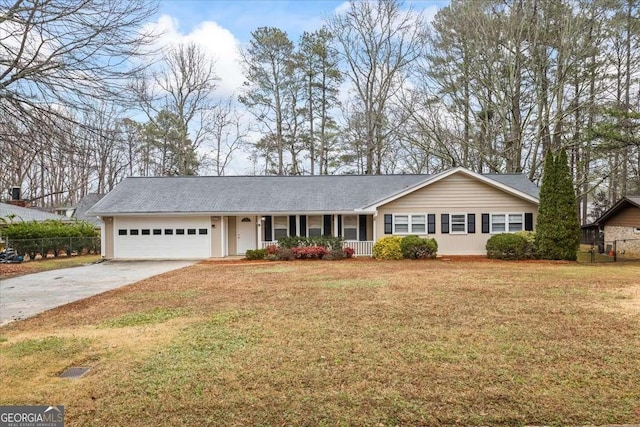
(27, 214)
(263, 194)
(84, 205)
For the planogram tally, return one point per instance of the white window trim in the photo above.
(357, 227)
(410, 224)
(273, 227)
(466, 223)
(506, 222)
(308, 225)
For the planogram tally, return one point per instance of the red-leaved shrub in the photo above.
(309, 252)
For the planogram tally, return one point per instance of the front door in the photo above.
(245, 233)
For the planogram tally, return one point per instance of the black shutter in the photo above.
(471, 223)
(388, 224)
(268, 232)
(362, 225)
(528, 222)
(303, 225)
(431, 224)
(327, 225)
(445, 223)
(485, 223)
(292, 225)
(339, 225)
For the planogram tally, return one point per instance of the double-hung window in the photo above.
(405, 224)
(401, 224)
(507, 222)
(280, 227)
(458, 223)
(314, 225)
(350, 227)
(418, 224)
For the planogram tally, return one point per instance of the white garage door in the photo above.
(162, 238)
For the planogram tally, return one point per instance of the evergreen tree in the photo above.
(546, 226)
(569, 224)
(558, 227)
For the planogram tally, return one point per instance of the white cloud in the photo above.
(216, 40)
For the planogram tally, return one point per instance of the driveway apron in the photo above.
(31, 294)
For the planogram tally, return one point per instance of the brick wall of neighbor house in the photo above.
(632, 244)
(457, 193)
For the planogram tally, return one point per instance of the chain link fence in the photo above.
(54, 246)
(610, 251)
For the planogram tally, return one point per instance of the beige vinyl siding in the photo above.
(107, 235)
(217, 241)
(231, 235)
(457, 194)
(627, 217)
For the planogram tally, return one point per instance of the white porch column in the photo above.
(375, 229)
(223, 236)
(259, 222)
(335, 226)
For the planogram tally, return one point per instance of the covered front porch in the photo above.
(235, 234)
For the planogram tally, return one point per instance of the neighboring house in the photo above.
(621, 223)
(80, 211)
(12, 213)
(202, 217)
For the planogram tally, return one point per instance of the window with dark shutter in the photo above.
(528, 221)
(485, 223)
(292, 225)
(471, 223)
(327, 225)
(303, 225)
(339, 225)
(431, 224)
(362, 226)
(444, 218)
(268, 232)
(388, 224)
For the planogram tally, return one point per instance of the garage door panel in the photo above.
(162, 238)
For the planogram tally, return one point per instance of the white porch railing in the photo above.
(361, 248)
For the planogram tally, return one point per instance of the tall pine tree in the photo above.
(558, 226)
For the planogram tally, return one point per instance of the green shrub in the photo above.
(285, 254)
(50, 237)
(530, 237)
(388, 247)
(415, 247)
(335, 254)
(256, 254)
(507, 246)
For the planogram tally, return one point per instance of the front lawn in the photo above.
(36, 266)
(355, 342)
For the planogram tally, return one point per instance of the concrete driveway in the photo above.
(28, 295)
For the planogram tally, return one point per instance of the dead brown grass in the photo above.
(28, 267)
(459, 342)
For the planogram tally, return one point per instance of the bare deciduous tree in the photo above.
(378, 42)
(58, 57)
